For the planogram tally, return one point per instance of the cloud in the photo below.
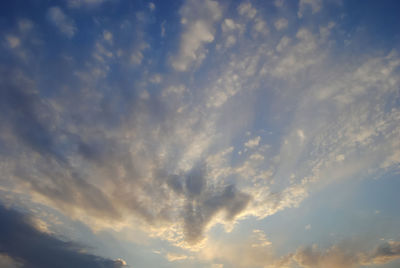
(260, 26)
(65, 24)
(127, 148)
(340, 256)
(252, 143)
(279, 3)
(384, 253)
(281, 24)
(283, 43)
(315, 5)
(309, 257)
(7, 262)
(152, 6)
(204, 203)
(254, 251)
(21, 111)
(198, 23)
(85, 3)
(25, 25)
(24, 114)
(108, 36)
(77, 188)
(247, 10)
(24, 244)
(13, 41)
(176, 257)
(258, 251)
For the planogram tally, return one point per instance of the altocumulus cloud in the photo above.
(28, 247)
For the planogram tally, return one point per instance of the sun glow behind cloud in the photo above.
(181, 129)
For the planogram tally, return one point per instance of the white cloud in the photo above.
(228, 25)
(65, 24)
(232, 31)
(260, 26)
(252, 143)
(281, 24)
(156, 79)
(108, 36)
(301, 135)
(152, 6)
(198, 21)
(303, 54)
(246, 9)
(178, 90)
(283, 43)
(315, 5)
(172, 257)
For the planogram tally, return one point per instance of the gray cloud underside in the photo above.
(31, 248)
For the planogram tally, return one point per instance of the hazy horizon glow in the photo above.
(191, 133)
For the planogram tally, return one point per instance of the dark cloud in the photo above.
(386, 252)
(195, 180)
(175, 183)
(199, 212)
(21, 241)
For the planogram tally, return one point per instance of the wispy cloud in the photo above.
(65, 24)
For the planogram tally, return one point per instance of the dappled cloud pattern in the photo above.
(172, 122)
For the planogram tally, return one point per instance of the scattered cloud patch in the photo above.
(252, 143)
(13, 41)
(152, 6)
(84, 3)
(281, 24)
(65, 24)
(315, 6)
(198, 23)
(247, 10)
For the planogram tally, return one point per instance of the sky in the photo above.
(199, 133)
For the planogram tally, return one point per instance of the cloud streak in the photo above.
(65, 24)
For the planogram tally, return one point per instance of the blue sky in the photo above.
(199, 133)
